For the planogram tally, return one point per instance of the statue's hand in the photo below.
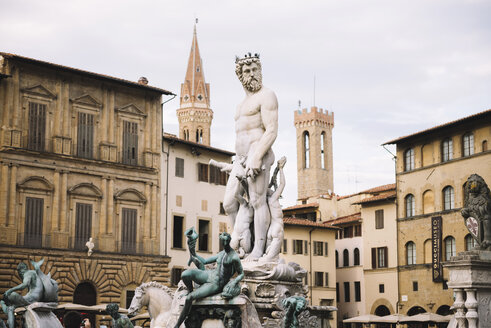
(253, 167)
(7, 293)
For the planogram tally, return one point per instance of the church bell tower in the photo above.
(314, 152)
(194, 113)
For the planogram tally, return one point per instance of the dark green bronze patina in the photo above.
(294, 305)
(119, 320)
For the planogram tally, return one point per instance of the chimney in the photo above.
(143, 80)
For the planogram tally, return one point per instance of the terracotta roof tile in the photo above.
(80, 71)
(296, 207)
(377, 198)
(479, 115)
(305, 223)
(173, 138)
(355, 217)
(379, 189)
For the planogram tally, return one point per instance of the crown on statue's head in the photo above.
(246, 57)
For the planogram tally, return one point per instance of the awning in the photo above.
(366, 318)
(426, 317)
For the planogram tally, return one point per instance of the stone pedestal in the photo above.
(470, 278)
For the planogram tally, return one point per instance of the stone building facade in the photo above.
(314, 152)
(432, 168)
(80, 158)
(194, 113)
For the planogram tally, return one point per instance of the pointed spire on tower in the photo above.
(195, 114)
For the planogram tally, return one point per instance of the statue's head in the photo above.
(248, 70)
(112, 309)
(22, 268)
(476, 185)
(225, 238)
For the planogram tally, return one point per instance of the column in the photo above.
(12, 194)
(103, 217)
(153, 131)
(471, 305)
(110, 208)
(147, 132)
(4, 194)
(58, 109)
(154, 212)
(105, 109)
(16, 110)
(458, 305)
(55, 214)
(5, 114)
(65, 105)
(63, 192)
(110, 112)
(146, 217)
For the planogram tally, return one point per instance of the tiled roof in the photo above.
(80, 71)
(296, 207)
(377, 198)
(305, 223)
(379, 189)
(173, 138)
(355, 217)
(481, 115)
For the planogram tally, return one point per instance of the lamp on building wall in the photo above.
(430, 305)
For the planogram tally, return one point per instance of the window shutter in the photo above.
(285, 246)
(33, 233)
(306, 247)
(326, 248)
(128, 231)
(386, 256)
(374, 258)
(326, 280)
(83, 224)
(294, 246)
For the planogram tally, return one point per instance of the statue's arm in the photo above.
(277, 193)
(209, 260)
(224, 167)
(25, 283)
(238, 269)
(269, 118)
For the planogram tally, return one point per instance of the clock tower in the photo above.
(194, 113)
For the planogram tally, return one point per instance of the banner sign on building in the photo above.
(436, 248)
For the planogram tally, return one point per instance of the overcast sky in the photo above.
(385, 68)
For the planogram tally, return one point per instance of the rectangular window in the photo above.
(33, 231)
(37, 126)
(307, 279)
(326, 279)
(129, 297)
(285, 246)
(222, 227)
(415, 286)
(204, 235)
(337, 292)
(381, 288)
(357, 291)
(202, 172)
(382, 257)
(319, 279)
(223, 178)
(306, 247)
(175, 276)
(215, 175)
(178, 232)
(348, 232)
(83, 225)
(179, 167)
(85, 135)
(318, 248)
(297, 246)
(222, 209)
(379, 219)
(358, 230)
(326, 249)
(128, 231)
(346, 292)
(130, 143)
(374, 258)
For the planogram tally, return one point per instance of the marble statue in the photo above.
(158, 300)
(41, 288)
(213, 281)
(256, 127)
(90, 245)
(293, 306)
(477, 210)
(118, 320)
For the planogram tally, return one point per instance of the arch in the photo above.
(410, 253)
(199, 135)
(306, 149)
(444, 310)
(382, 310)
(356, 256)
(447, 149)
(345, 258)
(448, 198)
(484, 145)
(130, 195)
(86, 294)
(323, 150)
(36, 183)
(468, 144)
(85, 189)
(470, 242)
(409, 159)
(427, 251)
(428, 201)
(410, 203)
(337, 259)
(427, 155)
(415, 310)
(449, 244)
(381, 302)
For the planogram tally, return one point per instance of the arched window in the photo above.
(337, 259)
(306, 150)
(468, 144)
(199, 135)
(447, 150)
(356, 257)
(448, 198)
(410, 253)
(410, 205)
(484, 145)
(323, 151)
(186, 134)
(449, 248)
(345, 258)
(428, 202)
(470, 242)
(409, 160)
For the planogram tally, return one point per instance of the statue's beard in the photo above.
(252, 84)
